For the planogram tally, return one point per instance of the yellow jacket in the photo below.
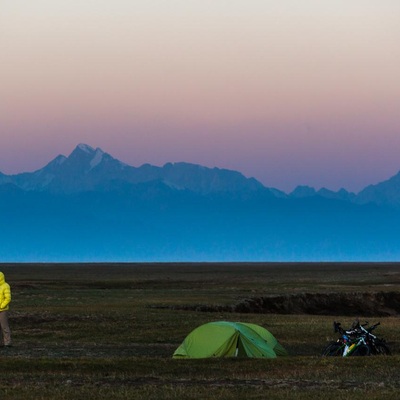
(5, 293)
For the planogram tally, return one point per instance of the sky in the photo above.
(291, 92)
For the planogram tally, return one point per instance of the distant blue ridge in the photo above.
(91, 207)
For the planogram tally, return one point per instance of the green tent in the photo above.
(229, 339)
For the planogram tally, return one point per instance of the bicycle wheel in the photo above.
(382, 349)
(362, 350)
(333, 350)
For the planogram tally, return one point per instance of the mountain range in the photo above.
(90, 206)
(88, 169)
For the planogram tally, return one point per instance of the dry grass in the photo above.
(93, 332)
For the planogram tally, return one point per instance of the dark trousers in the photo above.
(5, 328)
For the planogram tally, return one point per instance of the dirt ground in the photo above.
(368, 304)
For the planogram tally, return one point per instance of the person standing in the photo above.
(5, 298)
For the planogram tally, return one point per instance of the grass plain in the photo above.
(101, 331)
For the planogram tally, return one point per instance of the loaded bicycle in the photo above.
(356, 341)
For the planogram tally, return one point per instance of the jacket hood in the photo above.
(2, 279)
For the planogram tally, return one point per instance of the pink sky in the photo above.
(290, 92)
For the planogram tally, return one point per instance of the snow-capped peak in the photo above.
(96, 160)
(86, 148)
(59, 159)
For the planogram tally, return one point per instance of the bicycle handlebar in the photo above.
(337, 328)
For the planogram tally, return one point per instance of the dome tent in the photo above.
(229, 339)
